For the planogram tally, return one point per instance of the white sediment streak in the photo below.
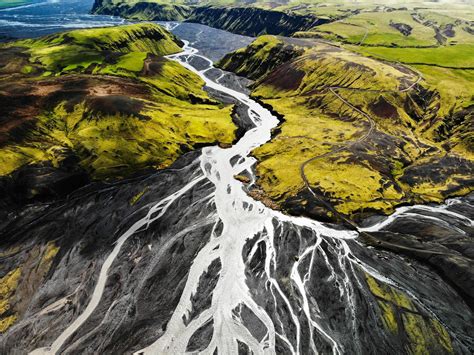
(153, 214)
(415, 210)
(243, 219)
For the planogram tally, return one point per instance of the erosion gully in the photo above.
(281, 279)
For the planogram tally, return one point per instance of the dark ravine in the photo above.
(241, 20)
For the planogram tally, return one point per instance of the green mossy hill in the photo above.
(259, 58)
(82, 48)
(323, 95)
(99, 104)
(143, 10)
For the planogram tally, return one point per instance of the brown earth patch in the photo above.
(152, 65)
(383, 108)
(22, 101)
(285, 77)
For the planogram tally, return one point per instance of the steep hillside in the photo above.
(96, 104)
(264, 55)
(150, 11)
(251, 21)
(354, 133)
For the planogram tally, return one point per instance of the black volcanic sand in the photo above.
(146, 280)
(211, 42)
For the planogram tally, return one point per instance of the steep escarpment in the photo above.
(98, 104)
(259, 58)
(251, 21)
(356, 133)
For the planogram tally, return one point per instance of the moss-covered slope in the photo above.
(95, 104)
(264, 55)
(356, 132)
(142, 10)
(233, 16)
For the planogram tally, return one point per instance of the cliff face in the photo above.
(253, 21)
(246, 21)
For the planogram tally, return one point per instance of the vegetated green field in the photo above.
(107, 97)
(446, 69)
(375, 28)
(455, 56)
(446, 64)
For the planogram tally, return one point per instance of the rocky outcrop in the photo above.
(243, 20)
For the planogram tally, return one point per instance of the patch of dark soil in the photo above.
(201, 338)
(403, 28)
(200, 100)
(285, 77)
(383, 108)
(42, 182)
(438, 169)
(152, 65)
(202, 298)
(114, 105)
(241, 120)
(457, 123)
(469, 30)
(444, 255)
(448, 31)
(439, 36)
(12, 55)
(359, 68)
